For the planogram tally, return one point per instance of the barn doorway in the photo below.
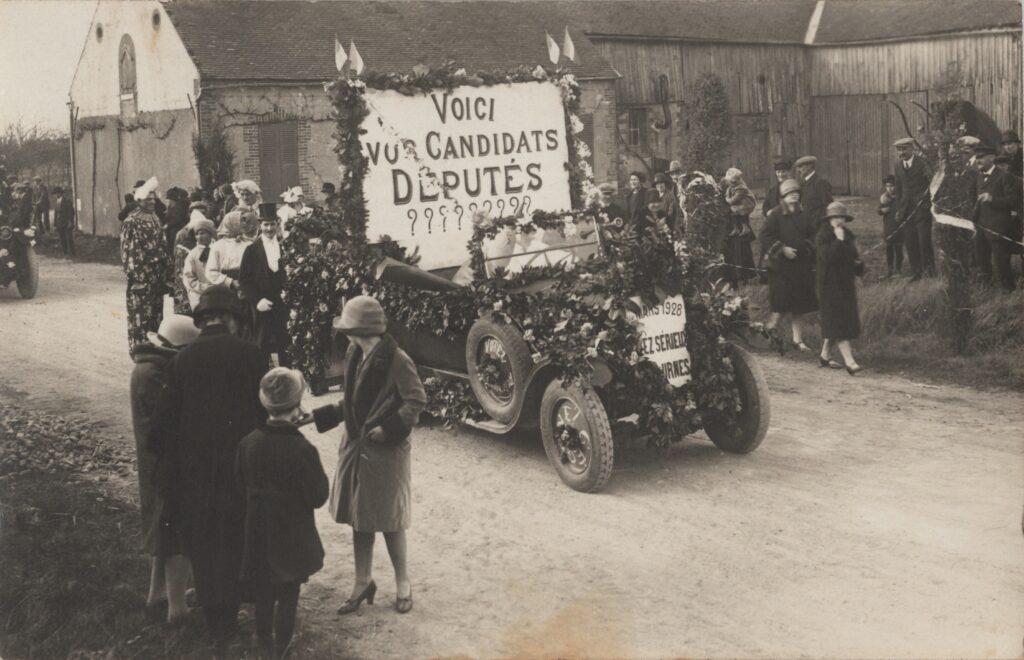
(279, 158)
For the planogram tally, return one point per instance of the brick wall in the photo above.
(598, 100)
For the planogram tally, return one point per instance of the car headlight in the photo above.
(6, 233)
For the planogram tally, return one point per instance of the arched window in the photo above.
(126, 76)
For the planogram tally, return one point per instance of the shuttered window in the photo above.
(279, 158)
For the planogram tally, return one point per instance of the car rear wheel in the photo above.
(577, 436)
(498, 361)
(28, 274)
(742, 433)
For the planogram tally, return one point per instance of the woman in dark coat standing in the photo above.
(787, 239)
(839, 265)
(372, 487)
(169, 569)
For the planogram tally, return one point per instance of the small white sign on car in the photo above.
(663, 335)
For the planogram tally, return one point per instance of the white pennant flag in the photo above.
(552, 49)
(357, 60)
(339, 54)
(568, 47)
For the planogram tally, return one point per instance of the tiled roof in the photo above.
(871, 20)
(294, 40)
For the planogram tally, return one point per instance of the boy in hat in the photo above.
(890, 227)
(997, 197)
(261, 277)
(913, 207)
(815, 191)
(284, 483)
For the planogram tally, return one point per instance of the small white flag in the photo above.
(552, 49)
(357, 60)
(339, 54)
(568, 47)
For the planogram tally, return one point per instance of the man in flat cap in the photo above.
(913, 207)
(815, 190)
(997, 197)
(1011, 148)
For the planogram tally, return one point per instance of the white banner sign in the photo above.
(434, 159)
(664, 338)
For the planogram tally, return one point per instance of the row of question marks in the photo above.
(516, 205)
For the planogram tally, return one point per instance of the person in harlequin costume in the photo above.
(146, 264)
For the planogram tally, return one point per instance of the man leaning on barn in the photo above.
(815, 190)
(913, 207)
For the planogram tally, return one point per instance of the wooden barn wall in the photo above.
(767, 87)
(991, 64)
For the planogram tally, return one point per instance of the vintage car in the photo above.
(18, 262)
(516, 388)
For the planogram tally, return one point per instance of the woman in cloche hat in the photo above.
(371, 489)
(838, 267)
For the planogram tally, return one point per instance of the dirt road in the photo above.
(879, 517)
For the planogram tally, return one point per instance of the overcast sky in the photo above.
(40, 41)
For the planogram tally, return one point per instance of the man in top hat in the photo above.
(913, 207)
(773, 197)
(1011, 147)
(997, 195)
(40, 205)
(815, 190)
(261, 278)
(64, 220)
(147, 265)
(209, 402)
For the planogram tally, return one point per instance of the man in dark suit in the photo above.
(1011, 148)
(772, 197)
(637, 198)
(914, 207)
(997, 196)
(815, 190)
(40, 205)
(64, 221)
(261, 278)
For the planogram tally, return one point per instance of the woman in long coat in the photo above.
(372, 486)
(839, 265)
(169, 568)
(787, 239)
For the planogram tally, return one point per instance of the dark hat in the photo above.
(217, 299)
(56, 190)
(782, 164)
(637, 174)
(889, 179)
(362, 316)
(1010, 137)
(982, 149)
(663, 177)
(268, 212)
(328, 188)
(139, 183)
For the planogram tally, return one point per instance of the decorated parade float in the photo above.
(467, 207)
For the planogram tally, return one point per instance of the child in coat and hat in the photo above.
(891, 227)
(283, 482)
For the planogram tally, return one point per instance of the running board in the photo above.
(445, 372)
(490, 425)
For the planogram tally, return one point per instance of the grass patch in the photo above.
(88, 248)
(904, 325)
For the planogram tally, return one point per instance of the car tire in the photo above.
(503, 341)
(743, 434)
(28, 274)
(588, 466)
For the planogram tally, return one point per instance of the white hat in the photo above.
(195, 217)
(176, 330)
(292, 195)
(246, 184)
(146, 189)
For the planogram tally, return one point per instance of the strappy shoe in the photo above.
(403, 605)
(830, 364)
(800, 346)
(351, 605)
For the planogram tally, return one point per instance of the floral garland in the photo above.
(582, 314)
